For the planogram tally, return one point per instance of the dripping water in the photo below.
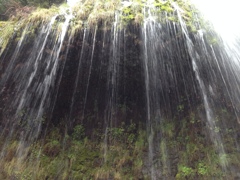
(112, 80)
(90, 69)
(215, 137)
(76, 82)
(33, 92)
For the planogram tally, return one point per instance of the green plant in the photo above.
(116, 132)
(202, 169)
(78, 132)
(52, 148)
(180, 108)
(131, 138)
(217, 129)
(168, 129)
(184, 171)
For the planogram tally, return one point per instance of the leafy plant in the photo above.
(184, 172)
(78, 132)
(116, 132)
(202, 169)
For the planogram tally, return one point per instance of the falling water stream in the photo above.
(31, 105)
(113, 75)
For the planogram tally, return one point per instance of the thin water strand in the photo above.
(216, 138)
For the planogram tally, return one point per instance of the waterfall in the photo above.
(209, 114)
(121, 90)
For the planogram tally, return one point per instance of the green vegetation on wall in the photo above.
(120, 153)
(89, 13)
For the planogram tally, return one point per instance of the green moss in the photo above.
(43, 15)
(76, 156)
(7, 31)
(91, 13)
(79, 158)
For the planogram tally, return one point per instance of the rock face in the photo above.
(117, 101)
(99, 73)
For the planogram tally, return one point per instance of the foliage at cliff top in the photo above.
(92, 12)
(10, 7)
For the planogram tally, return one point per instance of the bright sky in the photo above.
(224, 15)
(72, 2)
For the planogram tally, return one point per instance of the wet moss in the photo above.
(184, 152)
(92, 13)
(7, 31)
(82, 159)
